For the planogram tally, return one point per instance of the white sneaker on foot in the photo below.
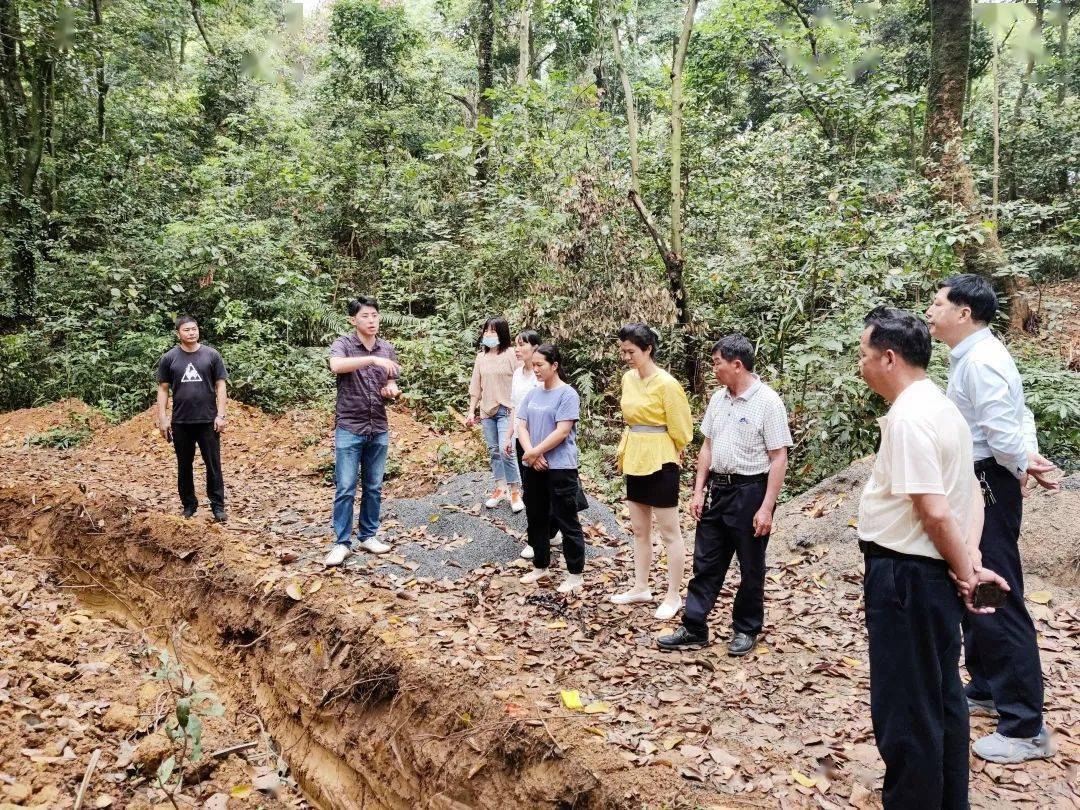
(631, 597)
(534, 576)
(375, 546)
(668, 608)
(1013, 750)
(497, 497)
(516, 504)
(573, 582)
(337, 555)
(527, 552)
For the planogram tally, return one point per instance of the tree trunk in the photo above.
(950, 51)
(1014, 125)
(1063, 79)
(196, 13)
(670, 249)
(99, 67)
(485, 41)
(524, 38)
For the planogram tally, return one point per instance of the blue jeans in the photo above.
(497, 431)
(362, 457)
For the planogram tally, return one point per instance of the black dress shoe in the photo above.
(220, 516)
(683, 639)
(189, 511)
(741, 644)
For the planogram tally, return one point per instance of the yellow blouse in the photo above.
(659, 400)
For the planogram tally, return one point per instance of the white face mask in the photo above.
(491, 341)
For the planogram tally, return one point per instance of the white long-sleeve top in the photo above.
(986, 387)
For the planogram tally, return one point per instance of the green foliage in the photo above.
(71, 434)
(261, 186)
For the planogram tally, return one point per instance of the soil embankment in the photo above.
(432, 678)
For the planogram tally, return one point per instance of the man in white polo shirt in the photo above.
(920, 519)
(740, 468)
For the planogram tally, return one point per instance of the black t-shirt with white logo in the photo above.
(192, 375)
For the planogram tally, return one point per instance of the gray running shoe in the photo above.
(1012, 750)
(982, 707)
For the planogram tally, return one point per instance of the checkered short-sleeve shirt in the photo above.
(745, 428)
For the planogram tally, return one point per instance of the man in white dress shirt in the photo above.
(1000, 650)
(919, 521)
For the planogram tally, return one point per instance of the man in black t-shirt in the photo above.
(196, 375)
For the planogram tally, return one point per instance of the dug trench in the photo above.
(360, 724)
(430, 677)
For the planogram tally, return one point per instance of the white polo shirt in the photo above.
(925, 449)
(745, 428)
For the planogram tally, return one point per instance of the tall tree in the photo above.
(950, 54)
(670, 248)
(28, 67)
(94, 10)
(485, 43)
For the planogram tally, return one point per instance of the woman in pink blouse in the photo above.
(490, 400)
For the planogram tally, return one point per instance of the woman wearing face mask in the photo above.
(523, 381)
(547, 430)
(489, 397)
(659, 426)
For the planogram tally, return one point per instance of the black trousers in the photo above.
(726, 530)
(1000, 649)
(551, 504)
(185, 439)
(917, 702)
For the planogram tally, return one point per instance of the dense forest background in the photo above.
(770, 166)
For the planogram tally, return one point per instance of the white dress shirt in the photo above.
(986, 387)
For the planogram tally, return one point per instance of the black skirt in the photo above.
(659, 489)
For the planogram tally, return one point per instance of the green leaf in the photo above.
(165, 770)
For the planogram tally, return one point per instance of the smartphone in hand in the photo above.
(988, 595)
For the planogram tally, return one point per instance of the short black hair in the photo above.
(530, 336)
(502, 329)
(183, 319)
(362, 301)
(969, 290)
(736, 347)
(550, 352)
(903, 332)
(642, 336)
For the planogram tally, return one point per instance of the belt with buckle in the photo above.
(734, 479)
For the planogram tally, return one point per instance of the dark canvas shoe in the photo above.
(741, 644)
(219, 515)
(189, 511)
(683, 639)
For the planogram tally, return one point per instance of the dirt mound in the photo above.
(827, 514)
(17, 428)
(1058, 307)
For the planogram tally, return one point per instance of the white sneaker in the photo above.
(516, 504)
(631, 597)
(337, 555)
(668, 609)
(527, 552)
(497, 497)
(573, 582)
(375, 546)
(557, 539)
(535, 576)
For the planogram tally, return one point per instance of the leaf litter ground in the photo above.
(788, 725)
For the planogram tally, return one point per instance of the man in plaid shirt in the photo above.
(740, 470)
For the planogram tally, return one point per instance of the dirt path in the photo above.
(481, 670)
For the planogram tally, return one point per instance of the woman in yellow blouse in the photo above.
(658, 427)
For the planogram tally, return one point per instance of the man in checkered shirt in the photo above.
(740, 470)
